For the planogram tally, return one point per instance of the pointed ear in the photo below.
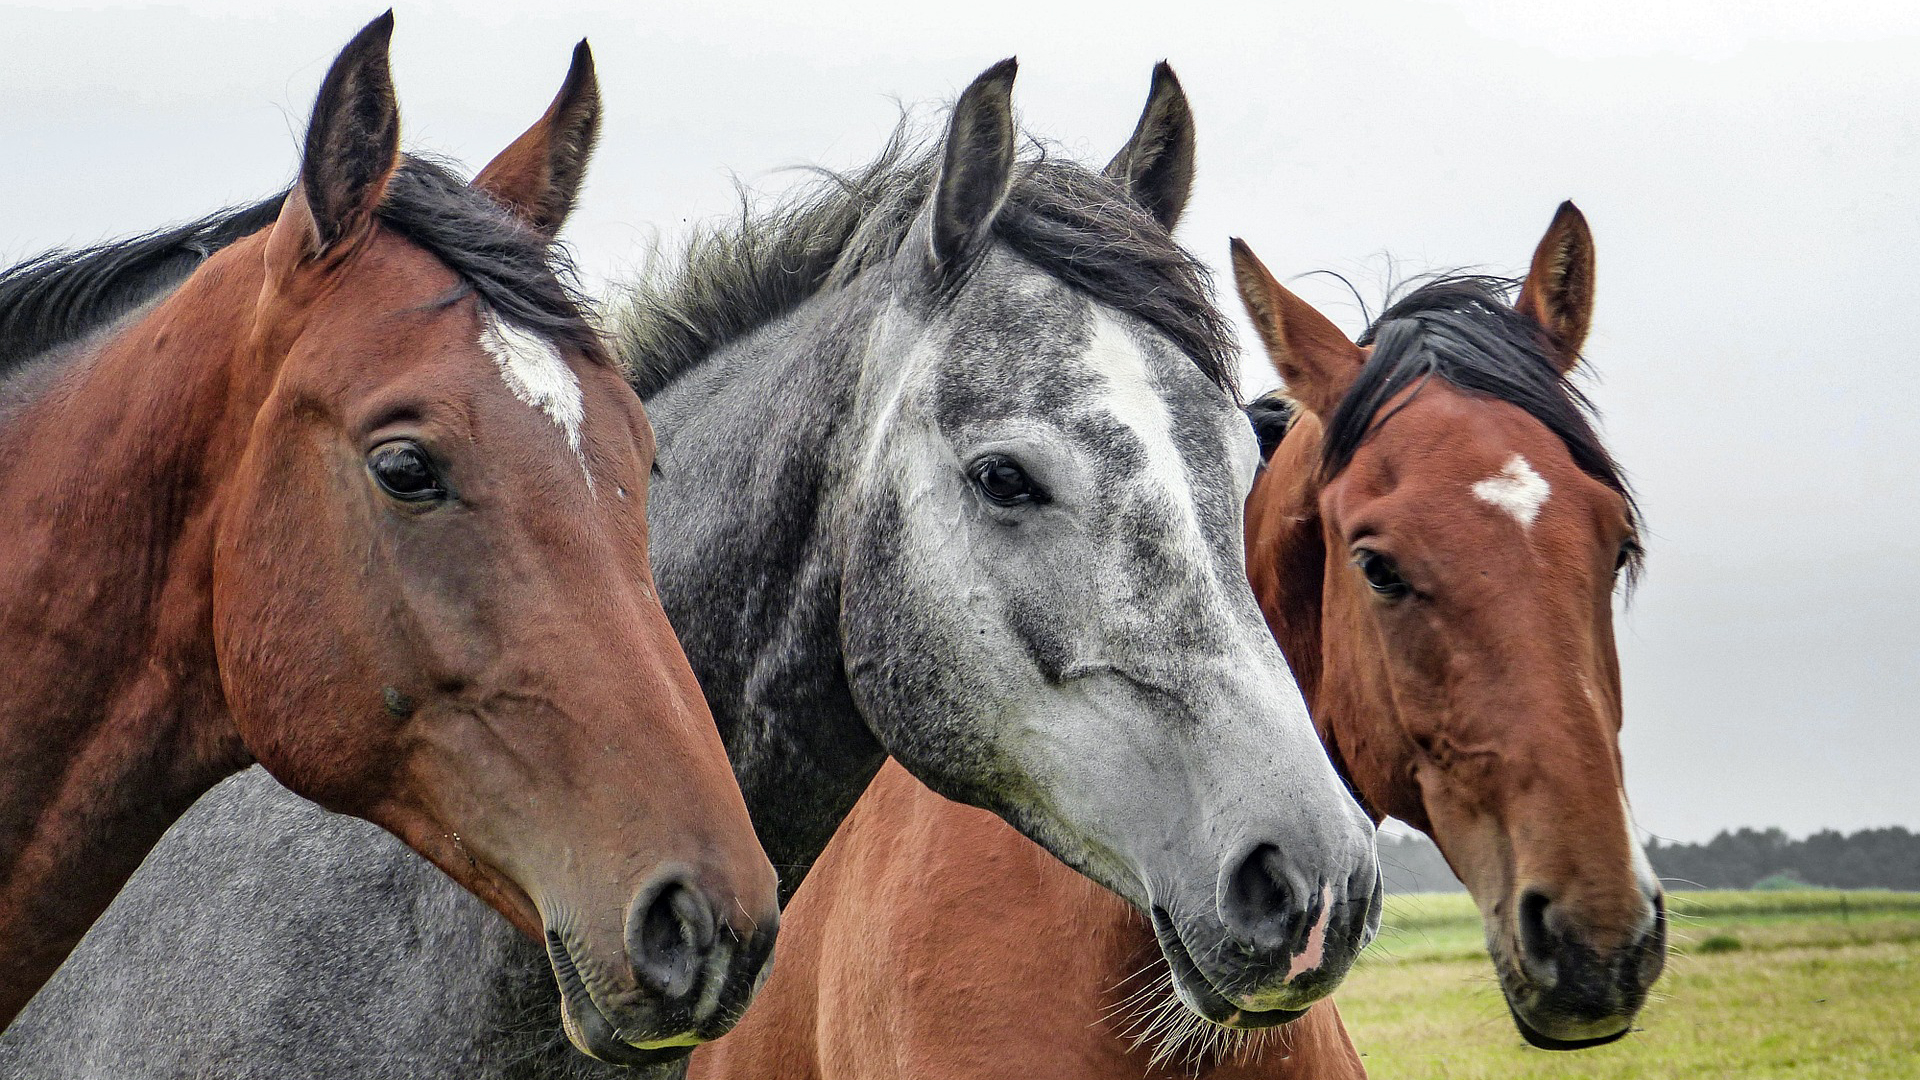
(353, 146)
(1558, 293)
(976, 167)
(1156, 165)
(1317, 361)
(539, 176)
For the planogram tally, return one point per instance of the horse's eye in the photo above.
(1381, 574)
(1629, 551)
(404, 471)
(1005, 482)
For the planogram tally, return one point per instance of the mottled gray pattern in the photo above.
(1092, 667)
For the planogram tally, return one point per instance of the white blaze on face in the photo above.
(537, 374)
(1516, 489)
(1131, 398)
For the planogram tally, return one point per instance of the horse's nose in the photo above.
(1270, 906)
(1559, 955)
(678, 937)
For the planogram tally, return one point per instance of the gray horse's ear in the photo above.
(1156, 165)
(976, 167)
(539, 176)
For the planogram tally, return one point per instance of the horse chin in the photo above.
(589, 1030)
(1539, 1039)
(1545, 1019)
(1200, 997)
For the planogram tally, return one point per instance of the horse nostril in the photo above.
(1537, 942)
(1259, 906)
(670, 932)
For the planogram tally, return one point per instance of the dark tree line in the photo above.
(1869, 859)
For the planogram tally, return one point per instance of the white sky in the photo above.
(1749, 171)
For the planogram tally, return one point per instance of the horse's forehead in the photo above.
(537, 374)
(1148, 387)
(421, 330)
(1023, 344)
(1457, 458)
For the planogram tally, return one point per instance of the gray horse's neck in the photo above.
(754, 451)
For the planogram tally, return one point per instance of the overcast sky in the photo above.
(1750, 178)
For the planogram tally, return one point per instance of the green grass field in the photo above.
(1808, 984)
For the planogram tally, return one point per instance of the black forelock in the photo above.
(1464, 330)
(61, 296)
(1070, 221)
(1083, 228)
(516, 272)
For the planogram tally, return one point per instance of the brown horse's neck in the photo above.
(113, 720)
(1292, 560)
(1287, 555)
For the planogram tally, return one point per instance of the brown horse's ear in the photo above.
(1156, 165)
(353, 146)
(976, 167)
(1558, 293)
(539, 176)
(1310, 353)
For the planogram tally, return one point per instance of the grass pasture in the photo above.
(1807, 984)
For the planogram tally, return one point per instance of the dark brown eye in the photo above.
(1629, 552)
(1382, 576)
(1005, 482)
(403, 470)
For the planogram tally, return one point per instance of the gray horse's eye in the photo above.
(1002, 479)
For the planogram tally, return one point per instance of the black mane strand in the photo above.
(1271, 414)
(63, 295)
(525, 279)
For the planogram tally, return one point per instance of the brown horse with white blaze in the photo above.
(1471, 532)
(1436, 542)
(363, 499)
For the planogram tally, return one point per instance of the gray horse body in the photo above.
(843, 592)
(227, 957)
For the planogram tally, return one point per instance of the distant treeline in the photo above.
(1869, 859)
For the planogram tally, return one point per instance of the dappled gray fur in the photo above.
(225, 957)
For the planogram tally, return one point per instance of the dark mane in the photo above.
(1272, 414)
(1070, 221)
(61, 296)
(522, 277)
(1464, 330)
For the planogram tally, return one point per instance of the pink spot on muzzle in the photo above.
(1316, 947)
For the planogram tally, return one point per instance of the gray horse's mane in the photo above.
(1070, 221)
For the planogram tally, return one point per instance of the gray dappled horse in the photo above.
(951, 469)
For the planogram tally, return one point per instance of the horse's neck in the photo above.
(111, 721)
(745, 556)
(1287, 554)
(1294, 566)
